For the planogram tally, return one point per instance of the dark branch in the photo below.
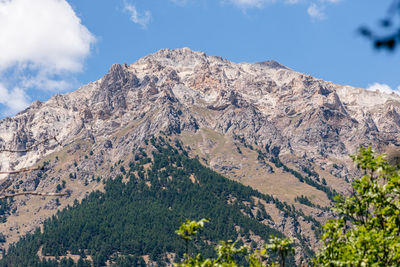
(9, 181)
(34, 194)
(389, 26)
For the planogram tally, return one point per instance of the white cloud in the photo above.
(316, 8)
(42, 81)
(41, 43)
(42, 33)
(142, 19)
(384, 88)
(316, 12)
(15, 100)
(179, 2)
(293, 2)
(249, 3)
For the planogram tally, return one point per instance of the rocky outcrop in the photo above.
(266, 103)
(306, 122)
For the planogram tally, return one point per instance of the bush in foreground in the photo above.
(365, 231)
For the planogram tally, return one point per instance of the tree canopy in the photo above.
(366, 231)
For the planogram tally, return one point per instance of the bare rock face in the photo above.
(266, 103)
(306, 122)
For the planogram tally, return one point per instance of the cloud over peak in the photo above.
(42, 33)
(384, 88)
(39, 41)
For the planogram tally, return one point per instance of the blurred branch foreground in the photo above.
(388, 35)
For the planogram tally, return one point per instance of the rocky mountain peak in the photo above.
(272, 64)
(183, 57)
(266, 102)
(238, 118)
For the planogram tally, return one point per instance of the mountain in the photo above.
(286, 134)
(139, 211)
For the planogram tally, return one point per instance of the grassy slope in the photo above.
(215, 148)
(165, 194)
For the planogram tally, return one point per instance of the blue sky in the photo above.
(55, 46)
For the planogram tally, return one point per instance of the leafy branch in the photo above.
(366, 231)
(228, 254)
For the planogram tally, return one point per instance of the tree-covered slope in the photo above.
(140, 210)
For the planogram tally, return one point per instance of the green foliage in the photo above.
(59, 188)
(4, 209)
(122, 169)
(190, 228)
(306, 201)
(2, 238)
(330, 193)
(282, 246)
(137, 215)
(228, 254)
(367, 229)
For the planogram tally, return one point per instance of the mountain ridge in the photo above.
(191, 70)
(282, 132)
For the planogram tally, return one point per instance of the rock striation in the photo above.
(307, 123)
(266, 103)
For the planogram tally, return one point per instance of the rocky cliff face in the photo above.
(265, 103)
(226, 113)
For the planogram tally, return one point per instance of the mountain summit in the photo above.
(282, 132)
(265, 103)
